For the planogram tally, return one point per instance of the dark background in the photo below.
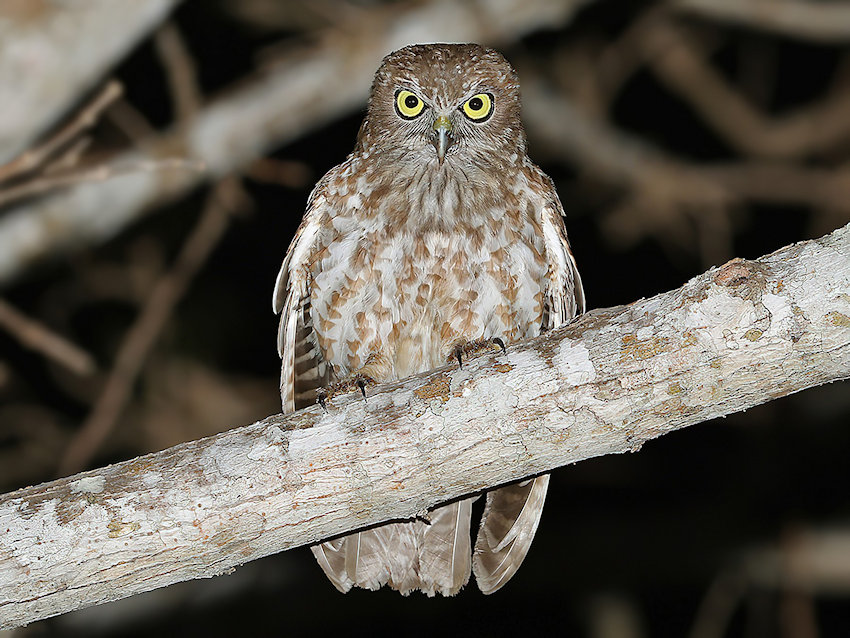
(629, 545)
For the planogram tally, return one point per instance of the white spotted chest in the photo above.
(392, 299)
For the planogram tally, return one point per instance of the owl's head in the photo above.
(453, 104)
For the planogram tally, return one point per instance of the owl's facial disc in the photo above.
(442, 140)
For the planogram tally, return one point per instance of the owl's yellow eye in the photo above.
(479, 107)
(408, 105)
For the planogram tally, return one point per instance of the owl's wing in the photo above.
(512, 513)
(511, 516)
(565, 294)
(303, 368)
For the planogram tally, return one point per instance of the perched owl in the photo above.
(437, 232)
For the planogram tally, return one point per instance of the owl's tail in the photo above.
(433, 556)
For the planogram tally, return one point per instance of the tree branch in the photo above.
(819, 21)
(36, 336)
(223, 201)
(52, 54)
(678, 63)
(732, 338)
(82, 121)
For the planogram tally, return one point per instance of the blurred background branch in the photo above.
(53, 53)
(819, 21)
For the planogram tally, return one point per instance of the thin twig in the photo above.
(69, 158)
(797, 616)
(143, 334)
(677, 62)
(287, 173)
(180, 71)
(36, 336)
(42, 185)
(620, 60)
(719, 603)
(85, 119)
(818, 21)
(130, 121)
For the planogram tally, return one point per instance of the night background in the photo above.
(679, 135)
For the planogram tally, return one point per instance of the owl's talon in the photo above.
(322, 398)
(466, 349)
(500, 343)
(355, 381)
(458, 354)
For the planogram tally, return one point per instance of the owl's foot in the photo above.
(350, 384)
(466, 349)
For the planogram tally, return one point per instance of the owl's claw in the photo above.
(322, 398)
(500, 343)
(458, 355)
(465, 349)
(359, 381)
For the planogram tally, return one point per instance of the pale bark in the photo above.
(282, 104)
(52, 52)
(730, 339)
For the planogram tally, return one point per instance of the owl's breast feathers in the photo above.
(400, 269)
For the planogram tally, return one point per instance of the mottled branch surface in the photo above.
(730, 339)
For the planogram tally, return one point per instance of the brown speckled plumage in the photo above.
(400, 258)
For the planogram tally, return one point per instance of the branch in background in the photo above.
(786, 184)
(180, 70)
(280, 105)
(806, 563)
(55, 180)
(728, 340)
(613, 66)
(41, 155)
(827, 22)
(52, 56)
(53, 164)
(663, 193)
(224, 199)
(678, 63)
(285, 173)
(36, 336)
(658, 187)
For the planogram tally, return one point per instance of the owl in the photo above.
(437, 234)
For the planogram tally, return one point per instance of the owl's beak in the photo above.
(443, 128)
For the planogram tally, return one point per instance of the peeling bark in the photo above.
(730, 339)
